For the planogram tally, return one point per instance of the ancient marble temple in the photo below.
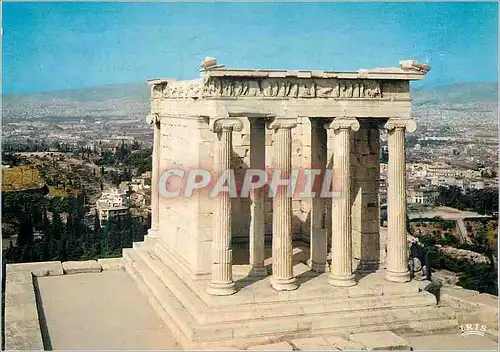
(224, 116)
(240, 268)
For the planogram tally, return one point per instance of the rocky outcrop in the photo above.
(457, 253)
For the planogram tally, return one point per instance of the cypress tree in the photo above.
(25, 236)
(57, 225)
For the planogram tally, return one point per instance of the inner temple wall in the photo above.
(188, 222)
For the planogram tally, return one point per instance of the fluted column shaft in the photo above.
(397, 247)
(154, 119)
(283, 279)
(341, 273)
(222, 277)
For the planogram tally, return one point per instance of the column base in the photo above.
(216, 289)
(397, 276)
(342, 280)
(318, 267)
(258, 271)
(284, 284)
(153, 233)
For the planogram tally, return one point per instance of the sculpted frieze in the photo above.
(183, 89)
(269, 87)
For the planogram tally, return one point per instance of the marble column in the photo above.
(282, 251)
(397, 247)
(341, 272)
(154, 119)
(258, 162)
(222, 283)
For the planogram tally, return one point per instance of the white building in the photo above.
(447, 181)
(440, 170)
(113, 203)
(142, 182)
(477, 184)
(423, 196)
(137, 184)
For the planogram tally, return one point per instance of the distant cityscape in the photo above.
(456, 143)
(95, 146)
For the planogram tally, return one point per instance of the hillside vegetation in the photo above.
(20, 178)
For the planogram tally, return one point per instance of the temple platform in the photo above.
(96, 305)
(257, 314)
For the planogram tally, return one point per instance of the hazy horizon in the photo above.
(425, 87)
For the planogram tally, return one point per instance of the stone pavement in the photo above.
(384, 340)
(106, 311)
(100, 311)
(452, 342)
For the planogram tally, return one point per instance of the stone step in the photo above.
(174, 325)
(188, 333)
(240, 273)
(173, 261)
(171, 310)
(343, 321)
(193, 304)
(168, 307)
(266, 310)
(492, 332)
(388, 289)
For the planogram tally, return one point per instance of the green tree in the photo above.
(25, 237)
(57, 225)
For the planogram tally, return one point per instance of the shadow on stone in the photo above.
(243, 258)
(3, 303)
(47, 343)
(362, 271)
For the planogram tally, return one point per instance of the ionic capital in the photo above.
(227, 124)
(276, 123)
(153, 118)
(343, 123)
(408, 124)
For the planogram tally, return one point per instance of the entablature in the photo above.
(218, 82)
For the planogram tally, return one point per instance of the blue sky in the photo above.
(53, 46)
